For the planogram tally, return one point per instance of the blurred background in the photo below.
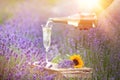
(21, 36)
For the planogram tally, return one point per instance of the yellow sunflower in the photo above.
(78, 62)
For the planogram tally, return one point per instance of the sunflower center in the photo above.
(75, 62)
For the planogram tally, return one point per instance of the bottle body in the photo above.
(83, 21)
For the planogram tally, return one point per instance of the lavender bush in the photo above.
(21, 44)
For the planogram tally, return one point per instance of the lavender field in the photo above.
(21, 39)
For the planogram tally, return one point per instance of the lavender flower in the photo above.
(66, 64)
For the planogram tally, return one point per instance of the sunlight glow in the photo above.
(88, 3)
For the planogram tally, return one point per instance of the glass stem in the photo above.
(46, 54)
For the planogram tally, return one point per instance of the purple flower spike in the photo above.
(66, 64)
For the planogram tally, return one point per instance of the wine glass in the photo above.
(47, 29)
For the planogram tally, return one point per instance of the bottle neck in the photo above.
(59, 20)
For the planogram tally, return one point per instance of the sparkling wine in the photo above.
(47, 37)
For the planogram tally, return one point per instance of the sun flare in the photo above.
(89, 4)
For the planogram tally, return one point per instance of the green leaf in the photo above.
(15, 49)
(56, 59)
